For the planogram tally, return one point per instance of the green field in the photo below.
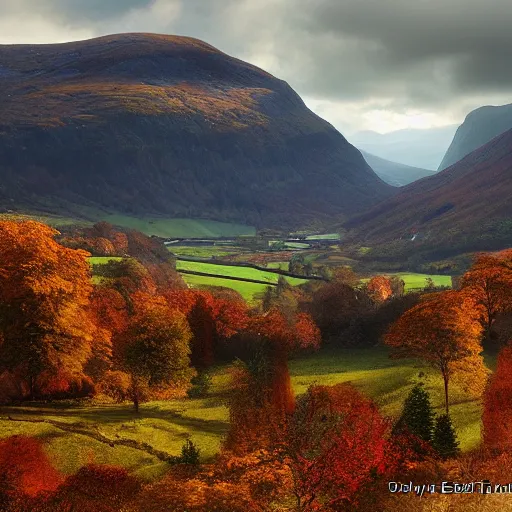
(249, 291)
(281, 265)
(166, 425)
(328, 236)
(418, 281)
(233, 271)
(168, 228)
(413, 280)
(102, 260)
(203, 252)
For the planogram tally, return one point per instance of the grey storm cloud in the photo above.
(413, 46)
(394, 54)
(73, 12)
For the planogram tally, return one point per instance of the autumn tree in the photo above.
(212, 320)
(497, 414)
(443, 331)
(345, 275)
(261, 388)
(95, 487)
(25, 470)
(397, 286)
(335, 446)
(154, 349)
(489, 281)
(379, 288)
(195, 493)
(44, 294)
(335, 307)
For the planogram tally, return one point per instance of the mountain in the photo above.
(479, 127)
(149, 124)
(464, 208)
(394, 173)
(423, 148)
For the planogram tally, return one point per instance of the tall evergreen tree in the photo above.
(417, 416)
(445, 439)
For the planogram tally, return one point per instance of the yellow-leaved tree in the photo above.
(44, 293)
(445, 332)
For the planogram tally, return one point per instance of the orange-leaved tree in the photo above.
(261, 394)
(489, 281)
(379, 288)
(497, 414)
(444, 331)
(44, 294)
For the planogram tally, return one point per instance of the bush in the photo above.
(115, 385)
(189, 453)
(201, 385)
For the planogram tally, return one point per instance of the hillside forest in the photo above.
(97, 322)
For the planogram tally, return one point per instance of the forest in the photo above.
(129, 332)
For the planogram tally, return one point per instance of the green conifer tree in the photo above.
(417, 416)
(445, 439)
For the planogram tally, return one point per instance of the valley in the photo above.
(212, 300)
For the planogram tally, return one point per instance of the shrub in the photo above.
(201, 385)
(189, 453)
(115, 385)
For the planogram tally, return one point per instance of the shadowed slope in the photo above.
(153, 124)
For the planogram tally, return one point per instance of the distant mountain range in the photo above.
(149, 124)
(394, 173)
(464, 208)
(479, 127)
(423, 148)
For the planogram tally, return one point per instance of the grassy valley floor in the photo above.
(166, 425)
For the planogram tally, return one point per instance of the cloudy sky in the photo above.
(376, 65)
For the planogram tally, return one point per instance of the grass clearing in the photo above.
(328, 236)
(388, 382)
(166, 425)
(413, 280)
(203, 252)
(234, 271)
(249, 291)
(103, 260)
(280, 265)
(182, 228)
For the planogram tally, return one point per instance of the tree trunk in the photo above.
(31, 388)
(136, 403)
(445, 378)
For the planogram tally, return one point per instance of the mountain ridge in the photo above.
(154, 124)
(461, 209)
(479, 127)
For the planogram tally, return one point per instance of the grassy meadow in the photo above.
(203, 252)
(249, 291)
(166, 425)
(413, 280)
(181, 228)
